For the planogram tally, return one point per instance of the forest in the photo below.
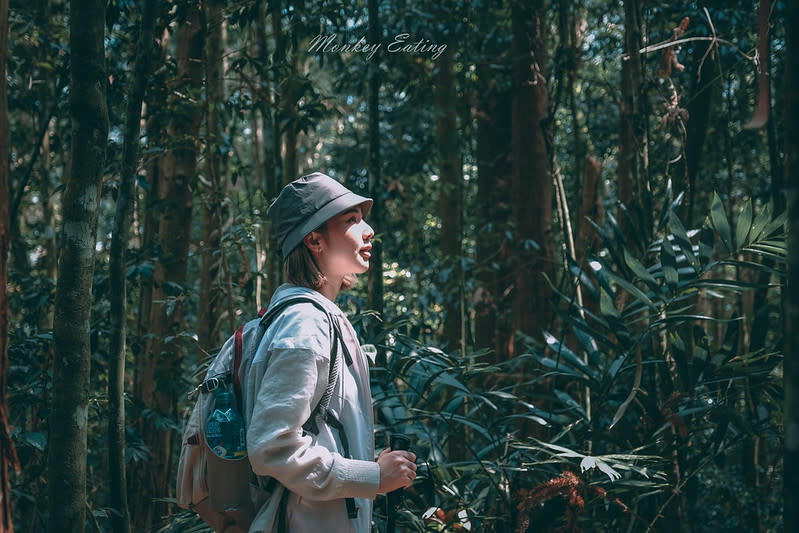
(583, 293)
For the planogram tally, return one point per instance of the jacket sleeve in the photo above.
(292, 383)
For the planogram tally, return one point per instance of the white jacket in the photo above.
(283, 382)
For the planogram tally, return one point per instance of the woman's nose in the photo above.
(368, 232)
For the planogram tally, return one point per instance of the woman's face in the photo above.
(344, 244)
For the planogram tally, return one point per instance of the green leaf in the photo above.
(635, 291)
(561, 367)
(640, 270)
(588, 343)
(775, 224)
(721, 223)
(682, 241)
(606, 305)
(730, 284)
(615, 366)
(678, 319)
(562, 351)
(564, 452)
(761, 221)
(707, 242)
(669, 264)
(567, 399)
(743, 225)
(446, 379)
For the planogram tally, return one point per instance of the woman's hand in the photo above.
(397, 469)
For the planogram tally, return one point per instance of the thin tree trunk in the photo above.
(158, 381)
(532, 183)
(118, 497)
(632, 127)
(49, 261)
(211, 296)
(8, 455)
(450, 193)
(290, 88)
(791, 364)
(376, 187)
(590, 208)
(69, 409)
(271, 159)
(278, 60)
(493, 207)
(156, 100)
(698, 114)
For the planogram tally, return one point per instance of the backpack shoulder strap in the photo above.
(238, 353)
(335, 341)
(321, 408)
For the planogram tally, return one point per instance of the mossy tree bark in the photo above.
(70, 400)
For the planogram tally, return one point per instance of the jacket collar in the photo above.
(287, 290)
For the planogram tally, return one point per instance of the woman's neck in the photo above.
(330, 289)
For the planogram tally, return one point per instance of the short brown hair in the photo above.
(300, 268)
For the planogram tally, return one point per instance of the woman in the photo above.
(324, 241)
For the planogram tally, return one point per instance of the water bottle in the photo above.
(224, 429)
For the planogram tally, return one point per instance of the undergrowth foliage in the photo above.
(648, 386)
(646, 390)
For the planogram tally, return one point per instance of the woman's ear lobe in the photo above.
(312, 242)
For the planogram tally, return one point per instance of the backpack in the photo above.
(226, 493)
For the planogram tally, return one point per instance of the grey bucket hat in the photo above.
(305, 204)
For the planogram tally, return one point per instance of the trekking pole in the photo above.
(395, 499)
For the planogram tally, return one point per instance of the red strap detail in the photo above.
(261, 312)
(238, 350)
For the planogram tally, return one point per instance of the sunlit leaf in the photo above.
(721, 223)
(682, 241)
(743, 225)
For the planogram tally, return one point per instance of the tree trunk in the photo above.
(154, 126)
(450, 195)
(632, 119)
(49, 261)
(69, 409)
(8, 455)
(376, 187)
(791, 368)
(698, 107)
(271, 160)
(290, 88)
(493, 197)
(158, 381)
(213, 194)
(590, 209)
(532, 182)
(117, 281)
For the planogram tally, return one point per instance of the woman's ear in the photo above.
(312, 241)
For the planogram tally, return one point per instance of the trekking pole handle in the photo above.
(396, 498)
